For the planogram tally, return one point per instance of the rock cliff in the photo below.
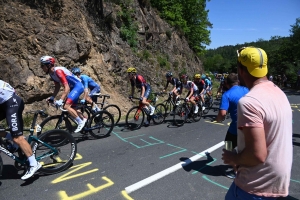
(76, 33)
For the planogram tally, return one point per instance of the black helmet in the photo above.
(169, 74)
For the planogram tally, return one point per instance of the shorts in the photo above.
(12, 110)
(74, 94)
(236, 193)
(147, 91)
(94, 91)
(195, 93)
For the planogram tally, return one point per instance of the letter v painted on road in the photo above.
(77, 167)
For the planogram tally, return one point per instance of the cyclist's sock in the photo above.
(32, 160)
(78, 119)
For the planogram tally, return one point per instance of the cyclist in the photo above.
(72, 88)
(11, 109)
(208, 85)
(175, 92)
(88, 83)
(139, 82)
(222, 87)
(201, 87)
(193, 90)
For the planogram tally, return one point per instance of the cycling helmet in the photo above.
(197, 76)
(131, 70)
(47, 60)
(75, 70)
(169, 74)
(203, 76)
(184, 77)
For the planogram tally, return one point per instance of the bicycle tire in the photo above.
(50, 123)
(179, 117)
(50, 163)
(1, 166)
(115, 111)
(101, 123)
(159, 114)
(135, 118)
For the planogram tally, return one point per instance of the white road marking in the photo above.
(170, 170)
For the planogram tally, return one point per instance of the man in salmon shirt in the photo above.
(265, 151)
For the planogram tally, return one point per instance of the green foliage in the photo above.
(162, 61)
(128, 30)
(169, 34)
(189, 17)
(27, 120)
(283, 55)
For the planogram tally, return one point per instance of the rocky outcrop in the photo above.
(72, 32)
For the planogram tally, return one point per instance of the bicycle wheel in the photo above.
(54, 155)
(180, 115)
(159, 114)
(51, 123)
(135, 118)
(197, 116)
(1, 166)
(115, 111)
(101, 124)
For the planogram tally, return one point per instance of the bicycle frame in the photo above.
(23, 160)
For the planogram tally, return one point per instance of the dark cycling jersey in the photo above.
(175, 82)
(11, 108)
(139, 82)
(200, 84)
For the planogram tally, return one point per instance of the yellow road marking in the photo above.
(77, 167)
(124, 193)
(215, 122)
(91, 190)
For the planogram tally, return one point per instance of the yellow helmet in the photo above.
(131, 70)
(197, 76)
(225, 76)
(207, 75)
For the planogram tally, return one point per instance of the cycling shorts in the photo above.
(195, 93)
(95, 90)
(12, 110)
(74, 94)
(147, 91)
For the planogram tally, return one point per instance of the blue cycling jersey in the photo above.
(88, 82)
(207, 82)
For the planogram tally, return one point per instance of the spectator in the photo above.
(229, 103)
(264, 152)
(284, 80)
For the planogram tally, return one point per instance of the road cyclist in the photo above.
(193, 91)
(201, 87)
(73, 88)
(176, 90)
(90, 89)
(138, 81)
(11, 109)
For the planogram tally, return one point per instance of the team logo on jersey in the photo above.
(16, 103)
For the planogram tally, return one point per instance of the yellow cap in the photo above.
(255, 59)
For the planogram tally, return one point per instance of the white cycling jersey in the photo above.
(6, 91)
(189, 85)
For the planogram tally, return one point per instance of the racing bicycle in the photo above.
(53, 154)
(136, 115)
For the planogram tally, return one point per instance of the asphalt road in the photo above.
(159, 162)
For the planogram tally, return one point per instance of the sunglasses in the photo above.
(239, 51)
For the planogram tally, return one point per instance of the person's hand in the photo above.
(82, 101)
(59, 103)
(50, 99)
(229, 157)
(141, 98)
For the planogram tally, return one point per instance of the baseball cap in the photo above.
(255, 59)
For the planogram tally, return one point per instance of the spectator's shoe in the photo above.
(230, 174)
(80, 126)
(152, 109)
(31, 171)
